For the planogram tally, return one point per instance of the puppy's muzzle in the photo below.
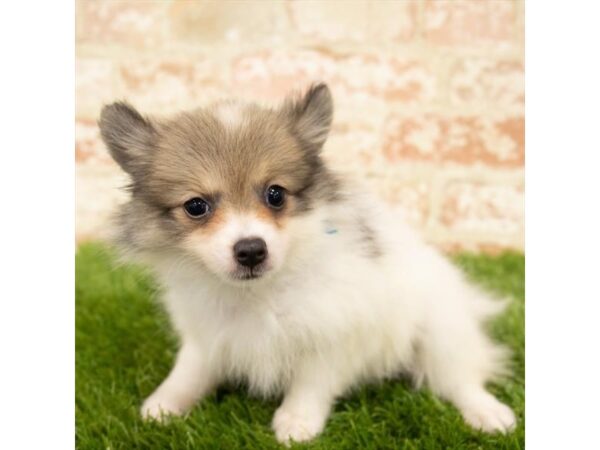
(250, 252)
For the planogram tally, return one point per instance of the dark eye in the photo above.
(275, 196)
(196, 207)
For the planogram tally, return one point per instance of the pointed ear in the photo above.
(310, 116)
(128, 136)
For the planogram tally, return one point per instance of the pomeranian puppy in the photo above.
(285, 276)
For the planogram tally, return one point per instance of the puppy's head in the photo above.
(223, 184)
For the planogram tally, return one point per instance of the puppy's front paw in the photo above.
(484, 412)
(160, 407)
(298, 426)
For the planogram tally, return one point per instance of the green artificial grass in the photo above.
(124, 349)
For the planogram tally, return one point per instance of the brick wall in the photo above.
(429, 94)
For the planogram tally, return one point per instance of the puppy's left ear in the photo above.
(310, 116)
(128, 135)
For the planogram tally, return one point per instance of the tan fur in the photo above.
(197, 156)
(279, 218)
(203, 226)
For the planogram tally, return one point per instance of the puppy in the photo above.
(283, 275)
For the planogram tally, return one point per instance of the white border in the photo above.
(37, 225)
(563, 225)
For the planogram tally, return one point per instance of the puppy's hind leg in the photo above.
(457, 364)
(188, 381)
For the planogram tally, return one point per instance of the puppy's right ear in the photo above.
(128, 136)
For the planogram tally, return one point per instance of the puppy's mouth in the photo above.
(246, 274)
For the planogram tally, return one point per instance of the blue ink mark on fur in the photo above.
(330, 229)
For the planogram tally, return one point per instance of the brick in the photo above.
(464, 114)
(95, 85)
(99, 189)
(268, 75)
(136, 24)
(464, 140)
(484, 209)
(257, 21)
(392, 21)
(89, 147)
(166, 86)
(271, 74)
(489, 247)
(412, 197)
(332, 20)
(469, 22)
(390, 78)
(352, 147)
(487, 81)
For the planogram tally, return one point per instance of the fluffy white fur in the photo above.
(216, 251)
(328, 318)
(230, 113)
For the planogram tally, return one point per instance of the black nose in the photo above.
(250, 252)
